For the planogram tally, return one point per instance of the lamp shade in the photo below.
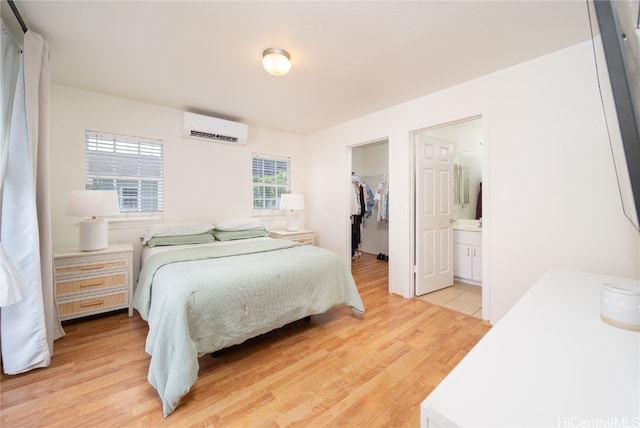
(276, 61)
(93, 203)
(94, 233)
(292, 201)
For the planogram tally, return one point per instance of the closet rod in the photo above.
(16, 12)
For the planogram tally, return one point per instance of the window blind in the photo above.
(132, 166)
(271, 178)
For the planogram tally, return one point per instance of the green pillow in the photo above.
(222, 235)
(199, 238)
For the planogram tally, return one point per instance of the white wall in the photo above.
(553, 197)
(203, 181)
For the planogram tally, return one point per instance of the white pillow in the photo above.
(176, 229)
(240, 224)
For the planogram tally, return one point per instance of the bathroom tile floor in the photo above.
(460, 297)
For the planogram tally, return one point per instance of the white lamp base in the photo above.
(94, 234)
(291, 221)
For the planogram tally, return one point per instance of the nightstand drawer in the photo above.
(90, 284)
(91, 268)
(306, 240)
(90, 305)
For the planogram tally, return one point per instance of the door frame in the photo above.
(348, 169)
(486, 204)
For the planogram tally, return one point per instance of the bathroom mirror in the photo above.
(467, 178)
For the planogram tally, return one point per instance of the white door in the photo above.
(434, 200)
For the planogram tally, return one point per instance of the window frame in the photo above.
(145, 172)
(280, 188)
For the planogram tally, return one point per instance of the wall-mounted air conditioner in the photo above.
(214, 129)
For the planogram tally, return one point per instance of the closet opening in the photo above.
(369, 208)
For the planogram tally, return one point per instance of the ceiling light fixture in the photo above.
(276, 61)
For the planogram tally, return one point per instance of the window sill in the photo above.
(134, 222)
(267, 213)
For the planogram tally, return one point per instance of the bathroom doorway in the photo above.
(450, 224)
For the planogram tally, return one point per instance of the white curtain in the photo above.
(36, 66)
(28, 315)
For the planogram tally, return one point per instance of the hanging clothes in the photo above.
(386, 205)
(356, 234)
(382, 196)
(369, 201)
(357, 209)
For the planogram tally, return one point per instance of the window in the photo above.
(271, 178)
(132, 166)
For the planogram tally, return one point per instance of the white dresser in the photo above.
(551, 361)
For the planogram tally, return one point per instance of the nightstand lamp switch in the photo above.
(92, 204)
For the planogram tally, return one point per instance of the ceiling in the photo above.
(349, 58)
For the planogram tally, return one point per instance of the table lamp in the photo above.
(91, 204)
(290, 202)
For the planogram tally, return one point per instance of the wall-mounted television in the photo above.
(616, 39)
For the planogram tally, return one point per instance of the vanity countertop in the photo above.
(467, 225)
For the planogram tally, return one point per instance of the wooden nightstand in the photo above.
(301, 236)
(92, 282)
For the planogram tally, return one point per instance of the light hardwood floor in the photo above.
(336, 370)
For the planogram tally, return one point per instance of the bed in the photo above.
(201, 298)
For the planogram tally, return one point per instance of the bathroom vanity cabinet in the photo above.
(467, 254)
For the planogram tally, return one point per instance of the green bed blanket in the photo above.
(200, 300)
